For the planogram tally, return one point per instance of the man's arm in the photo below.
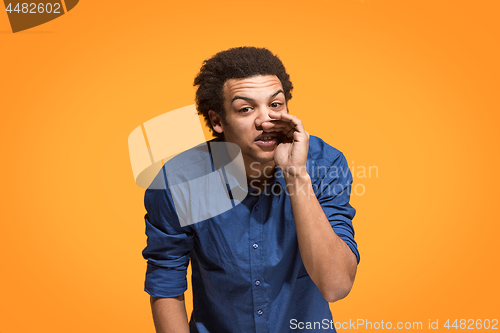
(327, 258)
(169, 314)
(167, 252)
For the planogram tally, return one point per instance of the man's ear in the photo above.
(216, 121)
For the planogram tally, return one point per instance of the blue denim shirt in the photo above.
(247, 273)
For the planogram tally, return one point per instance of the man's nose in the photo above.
(262, 117)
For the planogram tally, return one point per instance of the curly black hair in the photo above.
(235, 63)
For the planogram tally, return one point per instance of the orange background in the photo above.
(411, 87)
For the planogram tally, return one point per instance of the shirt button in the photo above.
(257, 283)
(255, 245)
(260, 312)
(256, 207)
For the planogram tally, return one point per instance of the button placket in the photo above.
(258, 261)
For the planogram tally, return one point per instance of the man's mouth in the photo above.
(268, 139)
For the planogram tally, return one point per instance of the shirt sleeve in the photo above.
(168, 245)
(333, 192)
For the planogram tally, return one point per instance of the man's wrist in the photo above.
(297, 184)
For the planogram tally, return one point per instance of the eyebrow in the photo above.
(252, 100)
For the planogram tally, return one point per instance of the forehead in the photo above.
(251, 86)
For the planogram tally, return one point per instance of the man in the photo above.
(273, 262)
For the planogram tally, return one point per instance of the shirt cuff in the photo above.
(165, 282)
(351, 243)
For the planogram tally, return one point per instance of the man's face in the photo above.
(247, 103)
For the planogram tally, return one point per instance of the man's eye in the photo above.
(275, 105)
(247, 109)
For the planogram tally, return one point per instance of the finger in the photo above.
(278, 116)
(277, 127)
(285, 131)
(269, 125)
(295, 122)
(277, 122)
(286, 117)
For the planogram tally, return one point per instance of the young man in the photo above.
(273, 262)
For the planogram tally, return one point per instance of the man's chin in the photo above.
(263, 157)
